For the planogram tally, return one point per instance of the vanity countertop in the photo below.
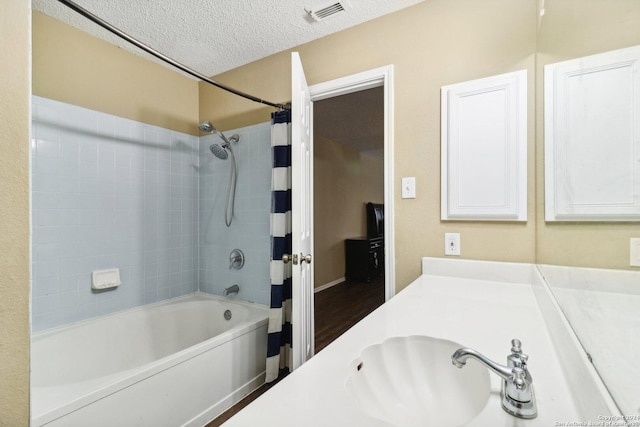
(484, 314)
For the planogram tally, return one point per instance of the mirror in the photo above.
(594, 301)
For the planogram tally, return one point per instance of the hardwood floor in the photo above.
(342, 306)
(238, 406)
(336, 310)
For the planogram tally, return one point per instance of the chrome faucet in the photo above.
(233, 289)
(517, 394)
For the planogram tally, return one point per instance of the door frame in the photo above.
(377, 77)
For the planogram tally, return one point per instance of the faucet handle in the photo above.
(517, 388)
(236, 259)
(517, 395)
(517, 359)
(516, 346)
(518, 378)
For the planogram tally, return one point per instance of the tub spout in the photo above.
(233, 289)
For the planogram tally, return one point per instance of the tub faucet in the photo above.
(517, 394)
(233, 289)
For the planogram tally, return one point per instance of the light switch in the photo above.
(634, 252)
(409, 187)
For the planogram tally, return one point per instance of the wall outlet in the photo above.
(452, 243)
(634, 252)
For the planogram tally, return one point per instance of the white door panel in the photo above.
(301, 214)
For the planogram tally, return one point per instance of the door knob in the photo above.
(306, 259)
(286, 258)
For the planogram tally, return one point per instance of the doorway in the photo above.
(352, 130)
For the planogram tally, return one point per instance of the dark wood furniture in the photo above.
(364, 258)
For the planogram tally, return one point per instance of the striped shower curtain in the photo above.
(279, 339)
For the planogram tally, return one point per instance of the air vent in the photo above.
(327, 10)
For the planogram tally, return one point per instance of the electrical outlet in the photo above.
(452, 243)
(634, 252)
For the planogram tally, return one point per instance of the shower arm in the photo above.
(99, 21)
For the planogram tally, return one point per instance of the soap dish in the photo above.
(105, 279)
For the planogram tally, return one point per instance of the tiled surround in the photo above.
(109, 192)
(249, 230)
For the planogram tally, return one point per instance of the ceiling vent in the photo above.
(328, 9)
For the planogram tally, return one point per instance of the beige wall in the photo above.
(571, 29)
(71, 66)
(435, 43)
(15, 120)
(432, 44)
(345, 180)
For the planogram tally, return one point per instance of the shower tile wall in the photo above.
(109, 192)
(249, 231)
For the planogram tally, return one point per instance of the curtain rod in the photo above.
(73, 6)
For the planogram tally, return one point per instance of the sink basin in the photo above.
(410, 381)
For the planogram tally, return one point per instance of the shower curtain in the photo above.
(279, 339)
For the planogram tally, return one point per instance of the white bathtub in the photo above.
(173, 363)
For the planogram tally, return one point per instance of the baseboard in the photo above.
(328, 285)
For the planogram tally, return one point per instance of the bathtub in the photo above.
(174, 363)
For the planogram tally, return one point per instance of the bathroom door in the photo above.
(301, 214)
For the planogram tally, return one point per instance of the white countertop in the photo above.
(481, 314)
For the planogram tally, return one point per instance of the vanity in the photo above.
(476, 304)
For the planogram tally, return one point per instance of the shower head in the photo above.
(207, 127)
(218, 151)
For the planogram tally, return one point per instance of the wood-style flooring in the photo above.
(336, 310)
(342, 306)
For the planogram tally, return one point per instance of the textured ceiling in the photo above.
(213, 36)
